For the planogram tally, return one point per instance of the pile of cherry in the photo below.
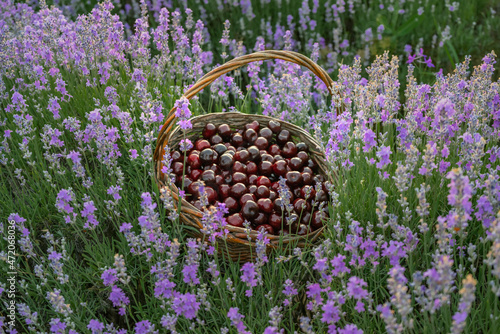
(242, 168)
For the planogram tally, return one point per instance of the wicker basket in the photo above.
(237, 246)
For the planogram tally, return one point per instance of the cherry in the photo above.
(295, 163)
(231, 205)
(275, 126)
(197, 204)
(194, 161)
(293, 179)
(235, 220)
(211, 194)
(220, 148)
(265, 205)
(253, 188)
(224, 131)
(224, 191)
(237, 139)
(321, 196)
(261, 143)
(312, 164)
(208, 177)
(307, 178)
(302, 147)
(272, 195)
(266, 133)
(317, 219)
(193, 189)
(303, 229)
(177, 156)
(263, 181)
(266, 168)
(252, 179)
(247, 197)
(219, 180)
(215, 168)
(307, 170)
(283, 137)
(209, 130)
(208, 156)
(265, 228)
(266, 157)
(275, 221)
(300, 205)
(239, 167)
(178, 168)
(239, 177)
(238, 189)
(201, 144)
(195, 174)
(306, 218)
(242, 156)
(274, 150)
(302, 156)
(296, 192)
(262, 192)
(228, 176)
(278, 202)
(307, 189)
(319, 178)
(289, 150)
(250, 135)
(260, 219)
(252, 167)
(226, 161)
(250, 210)
(278, 158)
(279, 168)
(187, 182)
(216, 139)
(254, 126)
(254, 153)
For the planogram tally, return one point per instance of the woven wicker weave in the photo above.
(237, 246)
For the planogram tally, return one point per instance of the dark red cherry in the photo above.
(295, 163)
(279, 168)
(296, 192)
(209, 130)
(252, 167)
(187, 182)
(194, 161)
(211, 194)
(242, 156)
(275, 126)
(267, 157)
(272, 195)
(238, 189)
(254, 153)
(253, 188)
(208, 156)
(293, 179)
(303, 229)
(224, 191)
(215, 168)
(261, 143)
(239, 177)
(250, 136)
(321, 196)
(193, 189)
(307, 190)
(239, 167)
(260, 219)
(275, 186)
(263, 181)
(252, 179)
(274, 150)
(224, 131)
(283, 137)
(228, 176)
(289, 150)
(265, 228)
(278, 202)
(254, 126)
(235, 220)
(262, 192)
(307, 178)
(278, 158)
(226, 161)
(266, 168)
(275, 221)
(237, 140)
(307, 170)
(265, 205)
(197, 204)
(232, 205)
(216, 139)
(247, 197)
(305, 218)
(302, 147)
(318, 219)
(319, 178)
(177, 156)
(250, 210)
(208, 177)
(301, 205)
(266, 133)
(201, 144)
(220, 149)
(178, 168)
(195, 174)
(302, 156)
(219, 180)
(312, 164)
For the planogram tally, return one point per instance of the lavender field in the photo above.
(91, 244)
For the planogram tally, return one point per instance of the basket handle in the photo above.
(235, 63)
